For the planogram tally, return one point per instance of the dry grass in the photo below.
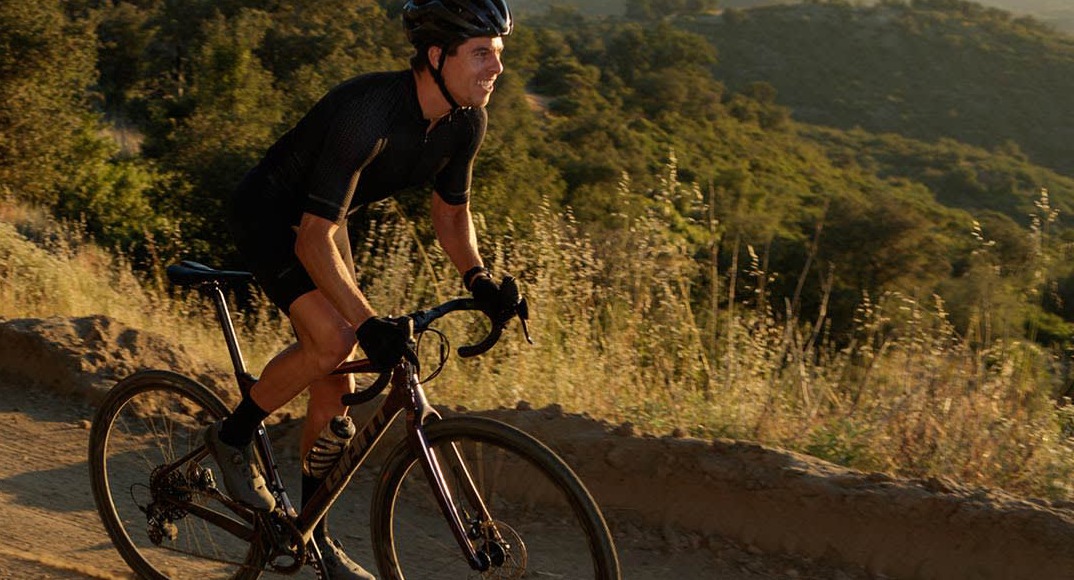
(48, 268)
(618, 338)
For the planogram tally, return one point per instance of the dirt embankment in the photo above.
(687, 495)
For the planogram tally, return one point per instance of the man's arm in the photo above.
(317, 251)
(455, 230)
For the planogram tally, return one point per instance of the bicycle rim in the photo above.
(148, 421)
(542, 524)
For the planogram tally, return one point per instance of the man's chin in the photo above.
(478, 103)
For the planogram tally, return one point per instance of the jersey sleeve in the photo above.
(354, 138)
(452, 183)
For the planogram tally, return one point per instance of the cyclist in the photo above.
(365, 140)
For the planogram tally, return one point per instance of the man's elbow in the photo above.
(314, 233)
(303, 248)
(459, 215)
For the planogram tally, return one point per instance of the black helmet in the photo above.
(444, 22)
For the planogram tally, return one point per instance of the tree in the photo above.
(116, 199)
(46, 68)
(883, 242)
(234, 115)
(312, 45)
(654, 9)
(123, 37)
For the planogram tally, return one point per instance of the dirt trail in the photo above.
(680, 508)
(52, 530)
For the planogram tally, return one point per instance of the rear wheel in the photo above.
(157, 511)
(542, 522)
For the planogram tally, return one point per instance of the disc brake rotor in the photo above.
(505, 550)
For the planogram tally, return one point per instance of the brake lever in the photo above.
(523, 317)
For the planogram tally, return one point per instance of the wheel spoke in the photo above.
(543, 523)
(163, 517)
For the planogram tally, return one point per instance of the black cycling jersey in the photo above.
(362, 142)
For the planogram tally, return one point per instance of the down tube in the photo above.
(353, 456)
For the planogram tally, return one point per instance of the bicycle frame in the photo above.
(405, 395)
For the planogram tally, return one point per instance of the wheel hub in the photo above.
(502, 548)
(169, 491)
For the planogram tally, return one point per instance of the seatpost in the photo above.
(223, 315)
(272, 472)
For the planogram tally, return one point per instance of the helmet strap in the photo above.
(438, 76)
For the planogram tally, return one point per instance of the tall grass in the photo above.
(51, 268)
(619, 336)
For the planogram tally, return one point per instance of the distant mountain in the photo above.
(943, 68)
(1057, 13)
(618, 7)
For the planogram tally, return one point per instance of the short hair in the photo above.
(419, 61)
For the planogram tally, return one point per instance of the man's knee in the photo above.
(332, 349)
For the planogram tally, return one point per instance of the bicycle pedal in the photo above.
(170, 531)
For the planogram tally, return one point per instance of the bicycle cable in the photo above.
(444, 348)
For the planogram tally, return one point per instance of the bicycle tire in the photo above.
(550, 523)
(146, 420)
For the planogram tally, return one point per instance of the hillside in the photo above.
(716, 266)
(525, 8)
(1056, 13)
(938, 69)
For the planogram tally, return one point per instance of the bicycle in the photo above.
(458, 497)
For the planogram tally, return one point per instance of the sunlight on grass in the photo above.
(619, 338)
(49, 268)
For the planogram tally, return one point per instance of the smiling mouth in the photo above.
(488, 85)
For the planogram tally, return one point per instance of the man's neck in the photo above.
(433, 104)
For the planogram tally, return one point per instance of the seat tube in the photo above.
(223, 315)
(261, 438)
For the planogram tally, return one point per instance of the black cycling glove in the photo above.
(384, 340)
(498, 301)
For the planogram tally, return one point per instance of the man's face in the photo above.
(471, 72)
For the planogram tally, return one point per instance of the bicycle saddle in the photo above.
(187, 273)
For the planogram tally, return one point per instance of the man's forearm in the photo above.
(318, 253)
(455, 230)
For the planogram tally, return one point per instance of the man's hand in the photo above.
(384, 340)
(498, 301)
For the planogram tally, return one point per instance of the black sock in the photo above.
(310, 485)
(238, 428)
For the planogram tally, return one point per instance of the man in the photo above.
(367, 139)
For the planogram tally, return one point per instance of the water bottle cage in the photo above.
(328, 447)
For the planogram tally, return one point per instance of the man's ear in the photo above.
(433, 54)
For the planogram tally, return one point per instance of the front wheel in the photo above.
(154, 486)
(541, 522)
